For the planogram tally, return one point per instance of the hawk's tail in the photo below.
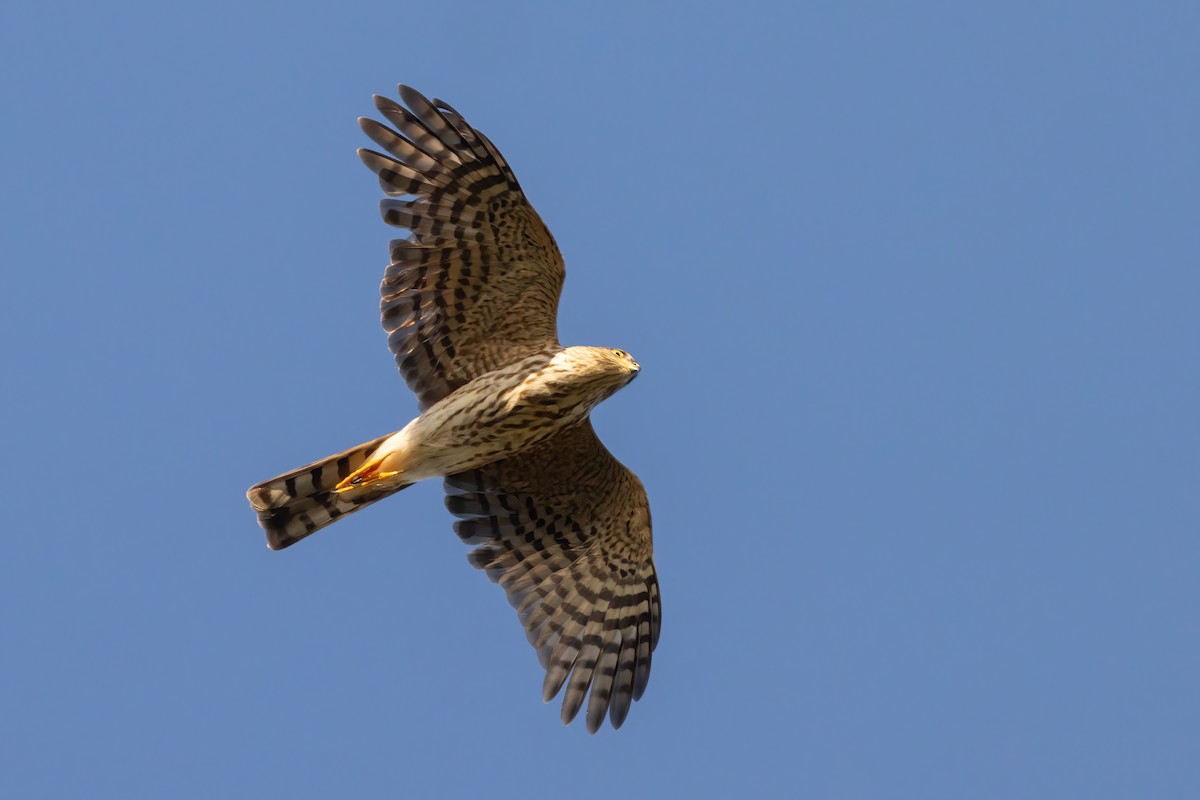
(302, 501)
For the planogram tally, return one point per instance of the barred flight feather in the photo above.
(565, 529)
(299, 503)
(476, 284)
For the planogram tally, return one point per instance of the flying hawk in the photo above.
(469, 304)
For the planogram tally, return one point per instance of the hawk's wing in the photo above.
(476, 284)
(565, 529)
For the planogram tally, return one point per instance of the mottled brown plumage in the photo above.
(469, 303)
(476, 285)
(564, 528)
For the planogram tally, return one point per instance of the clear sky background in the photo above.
(915, 289)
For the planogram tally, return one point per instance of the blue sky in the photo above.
(914, 288)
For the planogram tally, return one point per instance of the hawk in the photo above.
(469, 303)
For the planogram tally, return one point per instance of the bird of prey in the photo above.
(469, 303)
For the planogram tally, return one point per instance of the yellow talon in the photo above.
(366, 474)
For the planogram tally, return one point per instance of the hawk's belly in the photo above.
(494, 416)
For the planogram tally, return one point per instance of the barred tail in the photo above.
(302, 501)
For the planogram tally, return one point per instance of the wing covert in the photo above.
(565, 529)
(476, 284)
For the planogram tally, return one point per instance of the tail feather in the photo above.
(301, 502)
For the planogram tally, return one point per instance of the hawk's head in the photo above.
(596, 372)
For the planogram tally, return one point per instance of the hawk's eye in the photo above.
(619, 353)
